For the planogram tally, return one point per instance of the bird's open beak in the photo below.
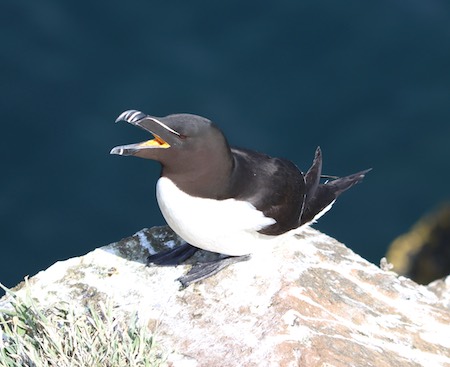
(164, 136)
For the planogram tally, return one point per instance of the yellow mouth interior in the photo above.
(156, 142)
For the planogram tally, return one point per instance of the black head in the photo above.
(189, 147)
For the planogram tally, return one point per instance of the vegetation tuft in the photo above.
(64, 336)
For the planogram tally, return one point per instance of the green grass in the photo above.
(66, 336)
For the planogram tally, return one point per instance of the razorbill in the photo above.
(227, 200)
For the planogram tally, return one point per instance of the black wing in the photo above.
(274, 186)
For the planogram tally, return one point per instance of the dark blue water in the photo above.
(367, 81)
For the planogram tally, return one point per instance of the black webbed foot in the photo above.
(202, 271)
(173, 256)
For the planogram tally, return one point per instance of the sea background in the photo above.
(367, 81)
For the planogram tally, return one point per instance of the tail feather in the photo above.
(320, 197)
(312, 177)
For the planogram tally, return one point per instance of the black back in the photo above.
(280, 190)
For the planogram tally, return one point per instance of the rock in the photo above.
(423, 253)
(308, 302)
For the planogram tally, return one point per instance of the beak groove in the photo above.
(131, 116)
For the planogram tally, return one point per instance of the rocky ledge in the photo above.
(309, 302)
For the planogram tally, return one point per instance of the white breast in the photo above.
(226, 226)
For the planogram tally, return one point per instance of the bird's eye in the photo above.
(182, 137)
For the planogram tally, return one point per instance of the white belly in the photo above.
(227, 226)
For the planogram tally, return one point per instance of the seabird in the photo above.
(227, 200)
